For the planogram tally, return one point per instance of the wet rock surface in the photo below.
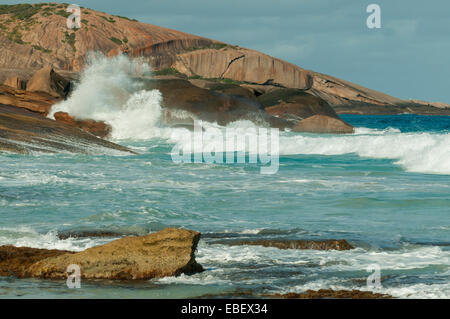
(331, 294)
(294, 105)
(169, 252)
(331, 244)
(15, 261)
(22, 131)
(209, 105)
(97, 128)
(39, 103)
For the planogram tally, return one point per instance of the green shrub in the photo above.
(15, 36)
(168, 71)
(214, 46)
(196, 77)
(70, 39)
(20, 11)
(115, 40)
(63, 13)
(126, 18)
(108, 19)
(37, 47)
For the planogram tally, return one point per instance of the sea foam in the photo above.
(416, 152)
(108, 91)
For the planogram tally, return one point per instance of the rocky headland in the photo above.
(41, 59)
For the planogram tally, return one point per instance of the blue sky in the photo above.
(407, 58)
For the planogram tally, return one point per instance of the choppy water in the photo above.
(396, 218)
(385, 189)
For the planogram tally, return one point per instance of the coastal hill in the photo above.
(36, 36)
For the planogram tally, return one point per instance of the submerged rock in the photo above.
(323, 124)
(332, 294)
(169, 252)
(331, 244)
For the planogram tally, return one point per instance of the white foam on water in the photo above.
(413, 291)
(210, 277)
(403, 262)
(108, 92)
(371, 131)
(416, 152)
(24, 236)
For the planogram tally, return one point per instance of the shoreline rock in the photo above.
(331, 294)
(330, 244)
(46, 80)
(15, 261)
(39, 103)
(97, 128)
(294, 105)
(16, 83)
(169, 252)
(180, 96)
(323, 124)
(25, 132)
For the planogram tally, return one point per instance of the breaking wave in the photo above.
(416, 152)
(107, 91)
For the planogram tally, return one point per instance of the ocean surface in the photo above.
(385, 189)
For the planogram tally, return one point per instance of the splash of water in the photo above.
(108, 91)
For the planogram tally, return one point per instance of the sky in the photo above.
(408, 57)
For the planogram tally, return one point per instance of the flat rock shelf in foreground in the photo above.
(169, 252)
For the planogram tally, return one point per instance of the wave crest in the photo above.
(416, 152)
(108, 91)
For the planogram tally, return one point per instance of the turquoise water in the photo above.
(385, 189)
